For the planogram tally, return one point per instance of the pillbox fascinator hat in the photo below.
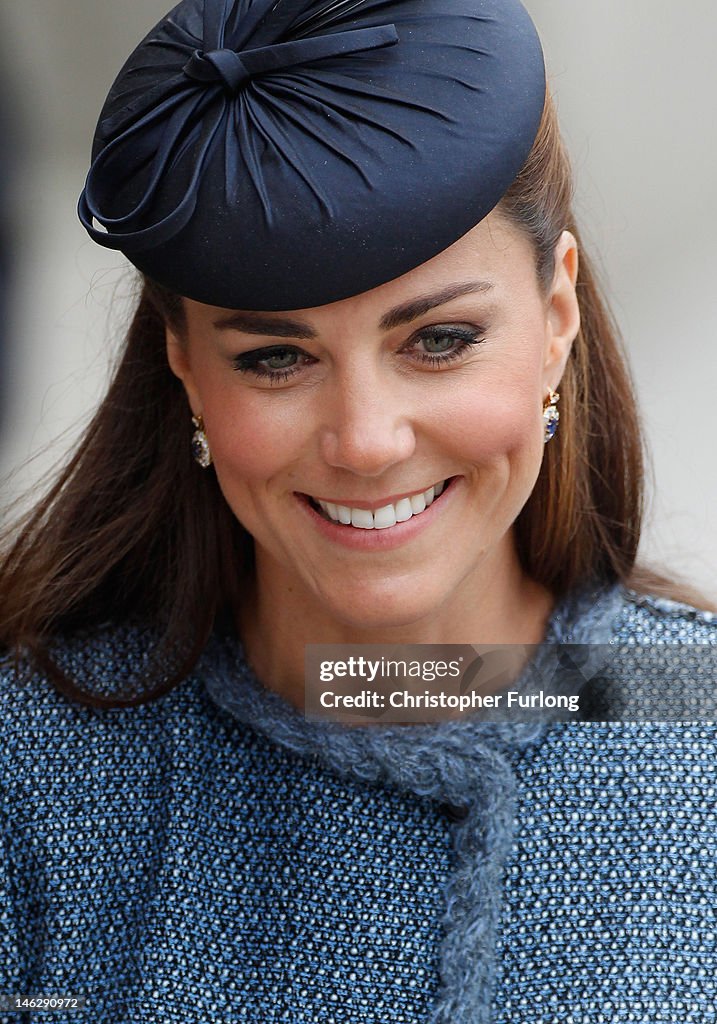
(283, 154)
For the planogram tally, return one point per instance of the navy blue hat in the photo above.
(282, 154)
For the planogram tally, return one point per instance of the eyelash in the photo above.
(250, 362)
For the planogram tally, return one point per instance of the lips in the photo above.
(384, 517)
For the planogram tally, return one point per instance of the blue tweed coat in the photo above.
(215, 857)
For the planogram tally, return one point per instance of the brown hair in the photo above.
(584, 516)
(583, 520)
(131, 531)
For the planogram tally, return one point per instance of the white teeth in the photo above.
(383, 518)
(403, 510)
(362, 519)
(418, 504)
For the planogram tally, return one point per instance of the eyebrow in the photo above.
(412, 310)
(260, 323)
(284, 327)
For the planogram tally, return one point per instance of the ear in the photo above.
(178, 359)
(563, 311)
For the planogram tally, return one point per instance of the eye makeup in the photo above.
(444, 344)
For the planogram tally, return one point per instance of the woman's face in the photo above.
(325, 421)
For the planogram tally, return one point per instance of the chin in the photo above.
(385, 608)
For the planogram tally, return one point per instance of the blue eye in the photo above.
(277, 363)
(444, 344)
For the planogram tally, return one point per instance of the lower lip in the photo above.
(380, 540)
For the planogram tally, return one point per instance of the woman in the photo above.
(336, 421)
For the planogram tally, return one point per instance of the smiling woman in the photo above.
(371, 394)
(426, 383)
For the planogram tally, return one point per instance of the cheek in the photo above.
(497, 423)
(249, 442)
(243, 455)
(248, 451)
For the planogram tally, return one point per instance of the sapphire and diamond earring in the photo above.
(551, 416)
(200, 444)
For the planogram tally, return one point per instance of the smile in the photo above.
(385, 517)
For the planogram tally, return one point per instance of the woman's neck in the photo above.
(279, 618)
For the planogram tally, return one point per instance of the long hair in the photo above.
(583, 519)
(132, 531)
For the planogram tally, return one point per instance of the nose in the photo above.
(368, 426)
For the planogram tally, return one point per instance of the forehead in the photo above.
(495, 258)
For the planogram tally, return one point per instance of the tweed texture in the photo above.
(214, 856)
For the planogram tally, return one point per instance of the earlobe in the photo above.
(563, 321)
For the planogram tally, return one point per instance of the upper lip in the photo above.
(380, 502)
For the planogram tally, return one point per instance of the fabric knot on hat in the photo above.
(234, 70)
(219, 65)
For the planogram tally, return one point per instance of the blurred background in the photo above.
(636, 84)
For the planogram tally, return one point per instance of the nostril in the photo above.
(368, 445)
